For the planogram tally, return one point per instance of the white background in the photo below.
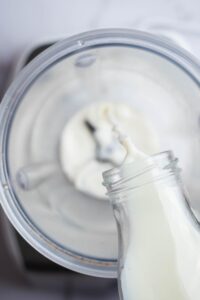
(24, 22)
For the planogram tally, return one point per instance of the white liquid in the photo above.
(78, 146)
(163, 257)
(162, 260)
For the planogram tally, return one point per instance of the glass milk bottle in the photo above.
(158, 234)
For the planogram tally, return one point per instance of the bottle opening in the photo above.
(134, 175)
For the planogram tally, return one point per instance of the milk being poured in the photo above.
(162, 259)
(83, 168)
(160, 241)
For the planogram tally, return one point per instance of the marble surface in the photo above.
(24, 23)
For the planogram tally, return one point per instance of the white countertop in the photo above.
(23, 23)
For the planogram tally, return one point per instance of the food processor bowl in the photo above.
(148, 73)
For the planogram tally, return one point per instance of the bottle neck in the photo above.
(159, 167)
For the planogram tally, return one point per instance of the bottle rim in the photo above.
(137, 174)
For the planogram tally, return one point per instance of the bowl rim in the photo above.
(63, 49)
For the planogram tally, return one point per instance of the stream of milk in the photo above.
(78, 145)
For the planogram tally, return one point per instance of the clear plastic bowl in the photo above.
(157, 78)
